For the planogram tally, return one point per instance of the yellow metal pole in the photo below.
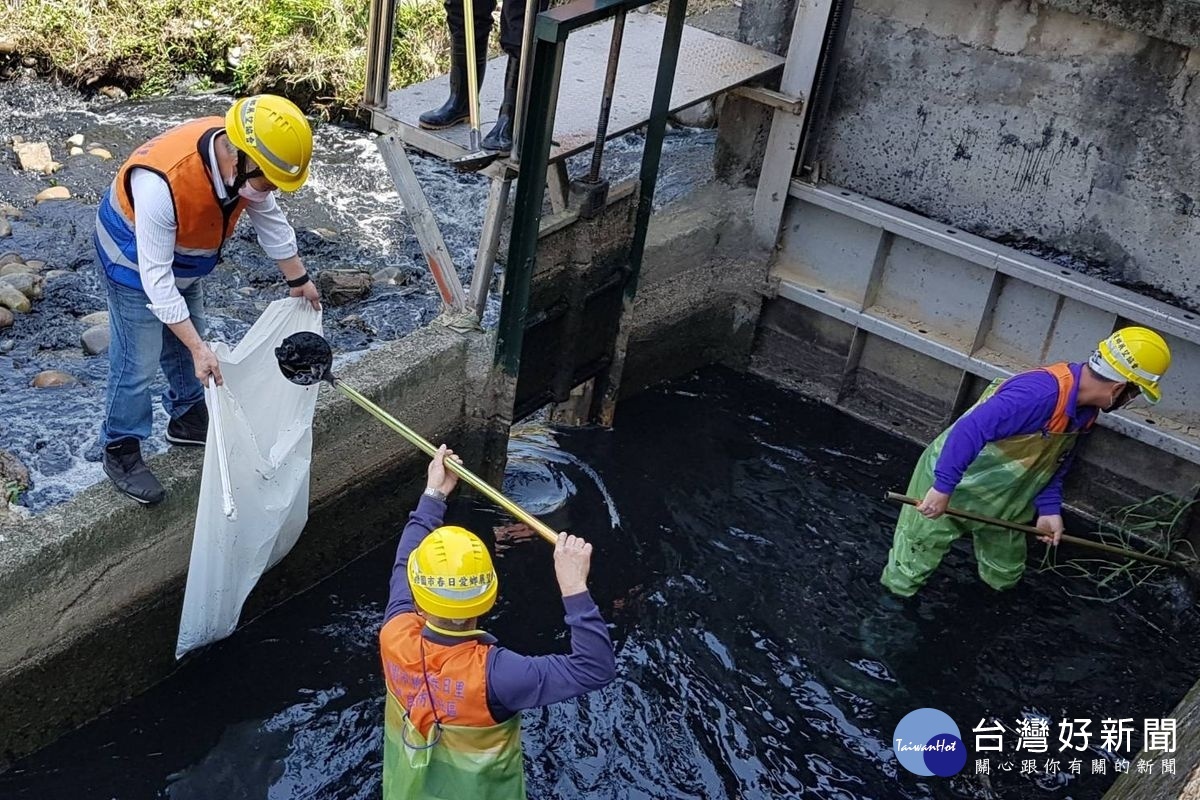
(477, 483)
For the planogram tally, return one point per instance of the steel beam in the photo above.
(424, 223)
(787, 127)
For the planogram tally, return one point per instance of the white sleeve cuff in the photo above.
(172, 312)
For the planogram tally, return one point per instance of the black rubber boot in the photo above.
(456, 109)
(191, 428)
(124, 466)
(499, 138)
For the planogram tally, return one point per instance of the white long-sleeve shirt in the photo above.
(155, 233)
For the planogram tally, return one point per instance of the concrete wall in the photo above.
(1023, 120)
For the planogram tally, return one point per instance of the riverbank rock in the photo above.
(76, 141)
(35, 265)
(113, 92)
(14, 300)
(75, 151)
(95, 318)
(341, 286)
(5, 227)
(12, 212)
(53, 379)
(95, 340)
(18, 268)
(53, 193)
(11, 258)
(26, 283)
(35, 157)
(6, 318)
(12, 471)
(56, 273)
(100, 152)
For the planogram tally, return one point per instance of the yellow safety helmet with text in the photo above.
(1134, 355)
(274, 134)
(451, 574)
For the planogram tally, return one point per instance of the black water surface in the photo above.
(739, 535)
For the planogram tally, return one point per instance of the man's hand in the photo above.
(309, 292)
(440, 478)
(1053, 525)
(572, 561)
(934, 504)
(293, 268)
(205, 362)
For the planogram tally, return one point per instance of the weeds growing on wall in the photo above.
(1155, 526)
(313, 51)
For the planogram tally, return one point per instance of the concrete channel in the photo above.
(870, 276)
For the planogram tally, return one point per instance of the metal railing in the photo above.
(551, 32)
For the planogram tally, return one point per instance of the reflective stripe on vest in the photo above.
(203, 223)
(470, 755)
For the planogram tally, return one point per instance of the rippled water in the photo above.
(349, 192)
(739, 535)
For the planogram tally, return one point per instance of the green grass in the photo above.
(1155, 526)
(313, 51)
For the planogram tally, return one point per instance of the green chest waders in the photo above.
(1002, 482)
(456, 762)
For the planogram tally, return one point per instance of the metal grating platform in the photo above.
(708, 65)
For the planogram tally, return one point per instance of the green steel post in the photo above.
(608, 387)
(536, 139)
(656, 129)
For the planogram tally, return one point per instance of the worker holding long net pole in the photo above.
(1007, 457)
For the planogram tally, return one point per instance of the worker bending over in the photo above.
(452, 725)
(1007, 457)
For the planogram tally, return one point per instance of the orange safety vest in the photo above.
(1060, 420)
(469, 755)
(203, 221)
(457, 675)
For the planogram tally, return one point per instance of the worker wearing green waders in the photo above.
(1007, 457)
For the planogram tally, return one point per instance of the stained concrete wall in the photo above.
(1021, 120)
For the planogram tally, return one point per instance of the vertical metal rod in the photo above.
(489, 241)
(381, 21)
(610, 82)
(536, 138)
(531, 11)
(651, 156)
(472, 72)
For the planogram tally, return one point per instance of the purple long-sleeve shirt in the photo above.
(514, 681)
(1022, 405)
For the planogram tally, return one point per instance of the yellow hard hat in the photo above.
(274, 134)
(451, 574)
(1135, 355)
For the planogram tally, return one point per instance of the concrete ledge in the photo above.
(70, 572)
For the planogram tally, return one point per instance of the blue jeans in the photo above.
(140, 345)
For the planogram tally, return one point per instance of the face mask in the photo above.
(248, 192)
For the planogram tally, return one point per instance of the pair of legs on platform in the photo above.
(456, 107)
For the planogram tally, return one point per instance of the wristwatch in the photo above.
(436, 494)
(296, 283)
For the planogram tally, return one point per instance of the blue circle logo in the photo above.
(927, 742)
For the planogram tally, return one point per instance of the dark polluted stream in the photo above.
(739, 532)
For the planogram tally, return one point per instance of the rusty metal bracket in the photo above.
(770, 97)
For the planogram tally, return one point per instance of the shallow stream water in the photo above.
(739, 536)
(347, 216)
